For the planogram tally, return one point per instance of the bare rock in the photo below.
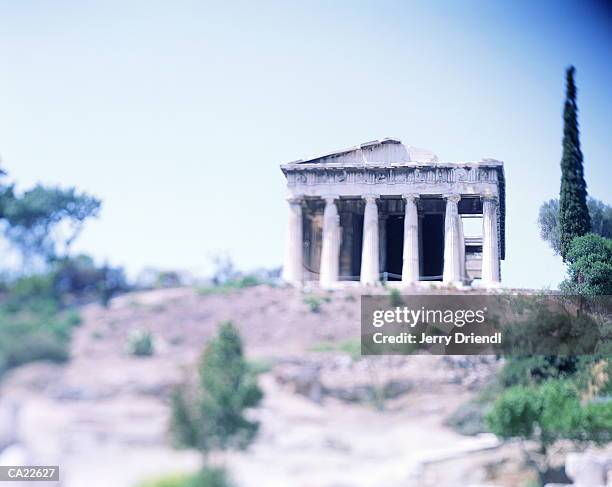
(305, 379)
(588, 469)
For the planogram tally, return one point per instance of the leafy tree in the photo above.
(80, 277)
(548, 221)
(213, 416)
(601, 217)
(590, 266)
(43, 219)
(546, 414)
(574, 219)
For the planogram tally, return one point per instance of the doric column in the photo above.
(293, 271)
(461, 240)
(490, 245)
(370, 269)
(330, 252)
(452, 251)
(410, 268)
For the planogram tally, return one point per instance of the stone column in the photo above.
(490, 245)
(330, 252)
(452, 251)
(410, 267)
(461, 240)
(370, 270)
(293, 271)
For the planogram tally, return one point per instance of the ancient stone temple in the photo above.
(386, 211)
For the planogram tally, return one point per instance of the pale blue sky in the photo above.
(178, 114)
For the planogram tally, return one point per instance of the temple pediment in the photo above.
(385, 151)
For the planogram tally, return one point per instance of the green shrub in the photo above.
(76, 277)
(212, 417)
(168, 481)
(207, 477)
(515, 413)
(590, 266)
(230, 285)
(247, 281)
(210, 477)
(547, 413)
(313, 303)
(34, 293)
(140, 343)
(30, 336)
(596, 423)
(538, 368)
(350, 347)
(395, 297)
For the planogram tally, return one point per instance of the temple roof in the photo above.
(387, 150)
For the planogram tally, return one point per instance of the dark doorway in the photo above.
(395, 246)
(357, 244)
(432, 234)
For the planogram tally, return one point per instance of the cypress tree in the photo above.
(574, 219)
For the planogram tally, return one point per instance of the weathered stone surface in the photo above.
(588, 469)
(304, 378)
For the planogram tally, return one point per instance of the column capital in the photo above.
(331, 198)
(411, 196)
(489, 197)
(453, 198)
(295, 200)
(370, 198)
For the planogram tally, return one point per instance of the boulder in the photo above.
(588, 469)
(304, 378)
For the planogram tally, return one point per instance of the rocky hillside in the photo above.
(329, 417)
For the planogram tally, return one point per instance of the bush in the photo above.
(231, 285)
(590, 266)
(169, 481)
(349, 347)
(35, 293)
(395, 297)
(210, 477)
(515, 413)
(32, 324)
(538, 368)
(207, 477)
(68, 278)
(313, 303)
(140, 343)
(27, 337)
(212, 417)
(548, 413)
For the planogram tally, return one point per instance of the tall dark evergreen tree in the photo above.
(574, 219)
